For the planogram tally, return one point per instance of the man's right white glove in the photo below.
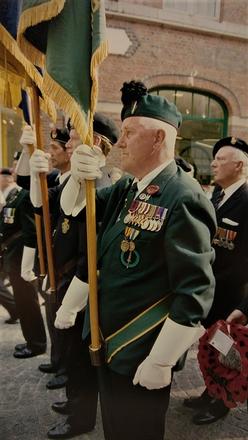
(74, 300)
(86, 163)
(73, 197)
(39, 163)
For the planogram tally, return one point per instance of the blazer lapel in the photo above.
(116, 228)
(230, 203)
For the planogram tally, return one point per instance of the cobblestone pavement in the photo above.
(26, 403)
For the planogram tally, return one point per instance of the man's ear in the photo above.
(97, 139)
(159, 138)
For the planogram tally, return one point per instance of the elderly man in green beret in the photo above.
(154, 258)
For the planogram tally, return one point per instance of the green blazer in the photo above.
(175, 261)
(17, 229)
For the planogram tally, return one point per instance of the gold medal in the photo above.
(124, 246)
(131, 246)
(65, 226)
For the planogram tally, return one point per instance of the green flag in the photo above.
(67, 38)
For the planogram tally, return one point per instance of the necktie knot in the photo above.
(218, 198)
(134, 188)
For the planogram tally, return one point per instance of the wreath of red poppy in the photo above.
(226, 377)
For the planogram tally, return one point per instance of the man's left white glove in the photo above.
(27, 264)
(172, 342)
(27, 139)
(74, 300)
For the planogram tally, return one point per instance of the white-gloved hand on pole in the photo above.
(172, 342)
(74, 301)
(27, 264)
(86, 164)
(27, 139)
(39, 163)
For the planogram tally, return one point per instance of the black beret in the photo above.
(183, 164)
(6, 171)
(61, 136)
(105, 127)
(138, 102)
(17, 155)
(230, 142)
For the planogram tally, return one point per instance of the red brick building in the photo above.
(192, 51)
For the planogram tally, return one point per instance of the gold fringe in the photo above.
(98, 56)
(27, 70)
(31, 17)
(65, 101)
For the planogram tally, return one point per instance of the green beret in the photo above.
(230, 142)
(138, 102)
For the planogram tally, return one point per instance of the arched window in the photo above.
(204, 122)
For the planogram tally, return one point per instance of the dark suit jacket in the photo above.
(231, 265)
(176, 260)
(23, 224)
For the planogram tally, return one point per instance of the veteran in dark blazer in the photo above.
(230, 166)
(18, 243)
(154, 258)
(71, 269)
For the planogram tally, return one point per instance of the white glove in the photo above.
(22, 167)
(172, 342)
(27, 264)
(74, 300)
(39, 163)
(86, 163)
(2, 201)
(73, 198)
(27, 138)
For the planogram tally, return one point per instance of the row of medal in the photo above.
(146, 216)
(225, 238)
(9, 215)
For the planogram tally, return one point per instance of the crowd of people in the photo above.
(168, 259)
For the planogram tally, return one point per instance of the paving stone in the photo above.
(25, 407)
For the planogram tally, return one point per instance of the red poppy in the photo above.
(152, 189)
(229, 380)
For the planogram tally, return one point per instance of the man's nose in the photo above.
(120, 143)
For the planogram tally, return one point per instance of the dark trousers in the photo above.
(131, 412)
(28, 309)
(82, 386)
(57, 337)
(7, 301)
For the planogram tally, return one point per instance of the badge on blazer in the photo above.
(129, 256)
(145, 216)
(65, 226)
(9, 215)
(225, 238)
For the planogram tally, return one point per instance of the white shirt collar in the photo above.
(144, 182)
(230, 190)
(63, 176)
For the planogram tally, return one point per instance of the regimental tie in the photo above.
(130, 196)
(217, 199)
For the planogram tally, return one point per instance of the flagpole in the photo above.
(37, 217)
(44, 192)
